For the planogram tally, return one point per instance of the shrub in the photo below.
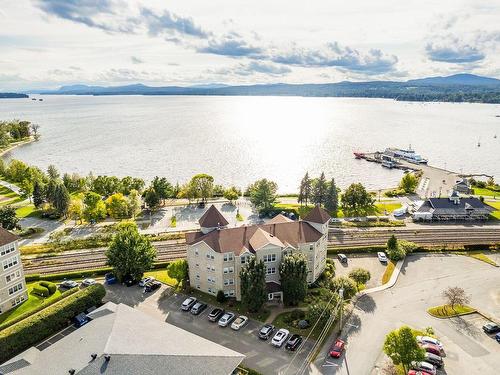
(346, 284)
(297, 314)
(40, 290)
(39, 326)
(221, 298)
(51, 287)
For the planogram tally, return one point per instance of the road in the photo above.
(423, 278)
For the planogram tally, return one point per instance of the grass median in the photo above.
(448, 311)
(391, 265)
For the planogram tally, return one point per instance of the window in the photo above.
(11, 262)
(197, 277)
(13, 276)
(229, 293)
(197, 265)
(228, 269)
(196, 252)
(270, 296)
(15, 289)
(228, 257)
(243, 259)
(18, 300)
(228, 281)
(212, 291)
(311, 247)
(7, 249)
(270, 270)
(211, 279)
(269, 258)
(198, 286)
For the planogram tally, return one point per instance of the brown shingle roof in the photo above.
(212, 218)
(7, 237)
(238, 239)
(279, 219)
(318, 215)
(261, 238)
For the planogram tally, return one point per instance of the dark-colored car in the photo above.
(152, 286)
(434, 359)
(80, 320)
(431, 348)
(129, 281)
(337, 348)
(215, 314)
(497, 337)
(342, 258)
(198, 308)
(110, 278)
(293, 342)
(188, 303)
(266, 331)
(491, 328)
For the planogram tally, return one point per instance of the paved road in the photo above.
(469, 351)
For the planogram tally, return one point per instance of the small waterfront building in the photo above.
(452, 208)
(216, 253)
(463, 186)
(12, 284)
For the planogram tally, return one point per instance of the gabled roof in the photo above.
(137, 343)
(212, 218)
(262, 238)
(318, 215)
(279, 219)
(443, 206)
(7, 237)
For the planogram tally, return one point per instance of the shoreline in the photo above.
(12, 146)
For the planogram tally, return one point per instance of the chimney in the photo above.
(72, 371)
(107, 357)
(93, 356)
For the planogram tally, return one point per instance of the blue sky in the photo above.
(48, 43)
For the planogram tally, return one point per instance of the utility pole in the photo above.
(341, 294)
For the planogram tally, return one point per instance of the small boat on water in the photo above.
(408, 155)
(33, 98)
(40, 100)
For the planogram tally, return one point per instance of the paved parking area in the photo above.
(369, 262)
(260, 355)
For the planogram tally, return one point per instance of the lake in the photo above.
(241, 139)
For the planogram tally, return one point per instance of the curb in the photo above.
(392, 281)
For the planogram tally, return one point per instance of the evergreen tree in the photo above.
(332, 197)
(293, 273)
(52, 172)
(37, 194)
(50, 191)
(61, 199)
(305, 190)
(253, 285)
(8, 218)
(263, 193)
(319, 190)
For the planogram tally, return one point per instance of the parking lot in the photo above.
(260, 354)
(367, 261)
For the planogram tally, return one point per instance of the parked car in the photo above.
(491, 328)
(110, 278)
(69, 284)
(497, 337)
(80, 320)
(293, 342)
(382, 257)
(417, 372)
(215, 314)
(188, 303)
(266, 331)
(146, 280)
(88, 282)
(424, 366)
(152, 286)
(431, 348)
(280, 338)
(129, 281)
(226, 319)
(342, 258)
(198, 307)
(430, 340)
(337, 348)
(434, 359)
(239, 322)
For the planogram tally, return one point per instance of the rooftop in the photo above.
(440, 206)
(7, 237)
(212, 218)
(318, 215)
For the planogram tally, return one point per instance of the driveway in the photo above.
(369, 262)
(423, 278)
(260, 355)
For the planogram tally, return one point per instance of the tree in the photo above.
(402, 347)
(134, 203)
(50, 191)
(253, 285)
(127, 184)
(187, 191)
(38, 194)
(293, 274)
(263, 193)
(52, 172)
(319, 188)
(117, 206)
(179, 271)
(305, 190)
(221, 297)
(455, 296)
(61, 199)
(8, 218)
(162, 187)
(322, 311)
(34, 130)
(94, 207)
(203, 184)
(332, 197)
(409, 183)
(27, 188)
(130, 253)
(360, 276)
(16, 171)
(231, 194)
(341, 282)
(394, 251)
(152, 199)
(75, 209)
(356, 200)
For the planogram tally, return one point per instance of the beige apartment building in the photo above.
(12, 284)
(217, 253)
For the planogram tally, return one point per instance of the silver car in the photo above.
(226, 319)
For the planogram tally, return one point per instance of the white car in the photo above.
(382, 257)
(239, 322)
(280, 337)
(227, 318)
(430, 340)
(146, 280)
(88, 282)
(424, 366)
(69, 284)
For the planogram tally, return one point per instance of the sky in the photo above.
(50, 43)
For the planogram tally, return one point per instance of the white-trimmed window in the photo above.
(228, 281)
(269, 258)
(311, 247)
(197, 265)
(210, 256)
(211, 279)
(15, 288)
(13, 276)
(7, 249)
(228, 269)
(270, 270)
(212, 291)
(229, 293)
(11, 262)
(228, 257)
(197, 277)
(196, 252)
(16, 301)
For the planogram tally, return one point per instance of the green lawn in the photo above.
(161, 275)
(446, 311)
(32, 302)
(387, 206)
(8, 196)
(28, 211)
(496, 205)
(485, 192)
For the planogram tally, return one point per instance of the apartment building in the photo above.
(217, 253)
(12, 284)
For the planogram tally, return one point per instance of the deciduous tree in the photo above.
(263, 193)
(94, 207)
(253, 285)
(357, 201)
(408, 183)
(455, 296)
(8, 218)
(293, 274)
(401, 346)
(341, 282)
(231, 194)
(179, 271)
(203, 184)
(360, 275)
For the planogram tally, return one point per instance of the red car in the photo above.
(431, 348)
(337, 348)
(417, 372)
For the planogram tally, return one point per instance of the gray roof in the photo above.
(137, 344)
(444, 206)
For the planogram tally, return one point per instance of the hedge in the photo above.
(40, 307)
(356, 249)
(48, 321)
(51, 287)
(41, 290)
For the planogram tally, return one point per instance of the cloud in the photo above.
(157, 24)
(231, 44)
(453, 50)
(136, 60)
(254, 67)
(334, 55)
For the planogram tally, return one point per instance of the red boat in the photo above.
(359, 155)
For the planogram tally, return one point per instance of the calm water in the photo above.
(241, 139)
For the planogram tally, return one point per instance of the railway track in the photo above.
(337, 238)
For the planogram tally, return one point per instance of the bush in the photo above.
(344, 283)
(39, 326)
(221, 298)
(50, 286)
(297, 314)
(41, 290)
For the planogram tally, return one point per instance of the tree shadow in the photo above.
(466, 327)
(366, 303)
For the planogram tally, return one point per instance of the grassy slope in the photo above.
(496, 206)
(485, 192)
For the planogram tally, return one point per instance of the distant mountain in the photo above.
(12, 95)
(455, 88)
